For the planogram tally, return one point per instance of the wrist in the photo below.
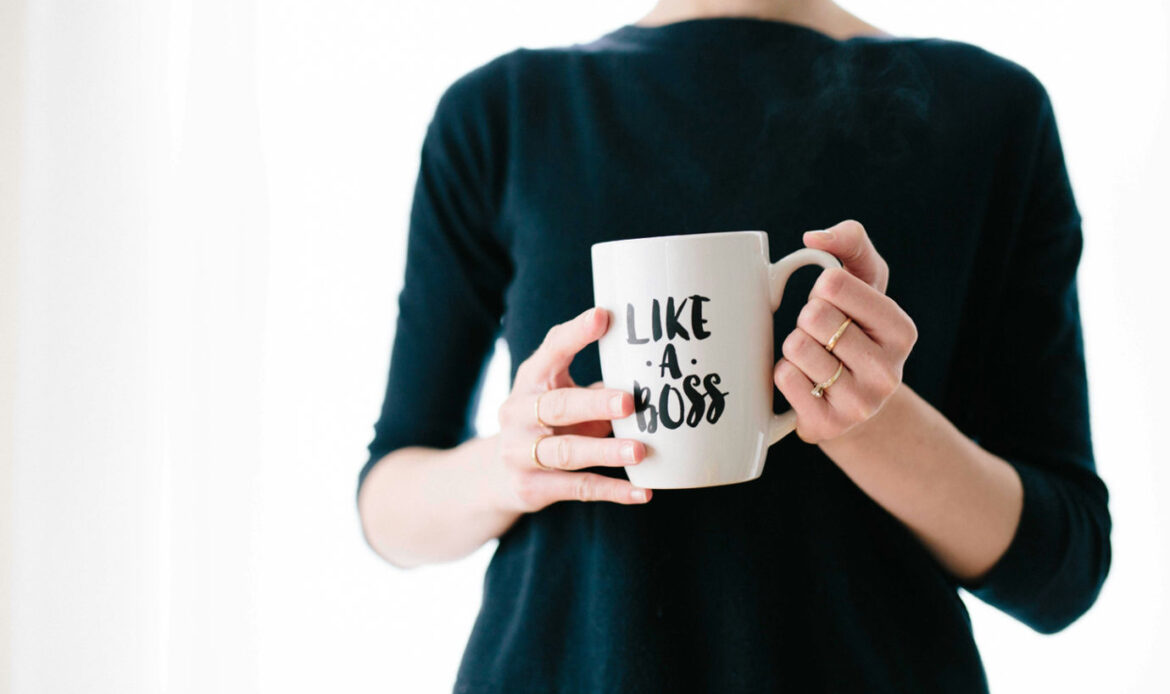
(866, 434)
(495, 499)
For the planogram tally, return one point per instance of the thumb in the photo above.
(850, 243)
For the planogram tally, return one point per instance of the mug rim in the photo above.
(700, 235)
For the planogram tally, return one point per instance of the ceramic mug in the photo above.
(690, 335)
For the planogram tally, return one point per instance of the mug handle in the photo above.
(784, 423)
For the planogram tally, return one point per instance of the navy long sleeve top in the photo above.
(796, 581)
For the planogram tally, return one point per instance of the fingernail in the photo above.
(615, 404)
(821, 233)
(638, 495)
(628, 451)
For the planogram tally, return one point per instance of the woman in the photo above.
(952, 449)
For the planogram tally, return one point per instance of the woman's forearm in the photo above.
(423, 505)
(962, 502)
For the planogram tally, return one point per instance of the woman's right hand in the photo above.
(579, 422)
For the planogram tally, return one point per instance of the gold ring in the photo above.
(820, 388)
(837, 335)
(536, 407)
(535, 458)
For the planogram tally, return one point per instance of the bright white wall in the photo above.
(11, 73)
(213, 200)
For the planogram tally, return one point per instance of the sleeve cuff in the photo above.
(1016, 584)
(370, 462)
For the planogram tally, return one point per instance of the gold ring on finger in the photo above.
(820, 388)
(536, 458)
(837, 335)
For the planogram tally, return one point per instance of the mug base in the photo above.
(695, 484)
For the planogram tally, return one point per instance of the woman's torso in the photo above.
(796, 581)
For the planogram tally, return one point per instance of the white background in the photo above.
(204, 209)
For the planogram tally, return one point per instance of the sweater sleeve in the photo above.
(451, 302)
(1033, 409)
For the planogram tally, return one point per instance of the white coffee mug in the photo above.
(690, 335)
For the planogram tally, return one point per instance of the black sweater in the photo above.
(797, 581)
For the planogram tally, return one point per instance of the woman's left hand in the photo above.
(872, 348)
